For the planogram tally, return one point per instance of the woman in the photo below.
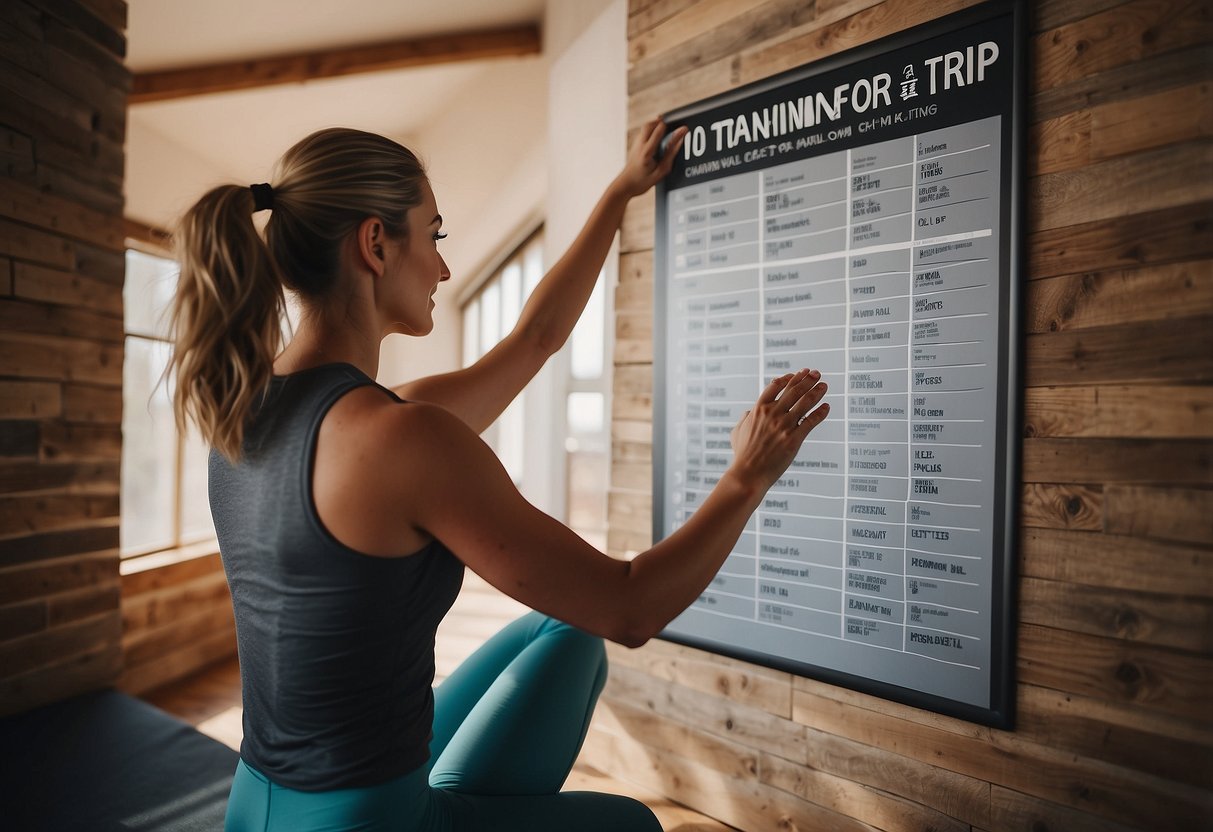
(346, 512)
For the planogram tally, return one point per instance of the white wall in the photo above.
(587, 122)
(485, 157)
(163, 177)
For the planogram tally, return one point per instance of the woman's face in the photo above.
(405, 293)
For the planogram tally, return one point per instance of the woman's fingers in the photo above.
(813, 419)
(795, 386)
(806, 399)
(652, 139)
(667, 159)
(772, 390)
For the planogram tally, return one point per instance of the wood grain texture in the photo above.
(63, 97)
(643, 15)
(100, 535)
(30, 400)
(720, 717)
(1148, 618)
(25, 204)
(80, 443)
(1132, 239)
(1115, 296)
(710, 31)
(89, 403)
(163, 607)
(24, 243)
(1015, 812)
(1115, 733)
(95, 599)
(21, 619)
(1049, 14)
(66, 288)
(60, 358)
(684, 25)
(73, 323)
(1147, 181)
(1117, 460)
(22, 655)
(1117, 561)
(1179, 514)
(1118, 36)
(151, 646)
(377, 57)
(204, 649)
(1169, 681)
(741, 682)
(1181, 351)
(1053, 506)
(1127, 81)
(955, 795)
(876, 807)
(1003, 760)
(66, 677)
(44, 512)
(744, 804)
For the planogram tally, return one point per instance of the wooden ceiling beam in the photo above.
(331, 63)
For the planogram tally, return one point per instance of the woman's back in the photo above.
(336, 647)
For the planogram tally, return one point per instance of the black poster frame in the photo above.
(1000, 713)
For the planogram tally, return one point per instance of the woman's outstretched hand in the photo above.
(767, 438)
(643, 169)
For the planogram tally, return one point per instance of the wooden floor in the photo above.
(210, 700)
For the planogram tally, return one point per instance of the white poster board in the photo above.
(859, 216)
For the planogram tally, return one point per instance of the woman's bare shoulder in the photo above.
(372, 454)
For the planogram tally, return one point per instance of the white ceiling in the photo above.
(243, 132)
(237, 136)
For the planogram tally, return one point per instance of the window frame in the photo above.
(152, 242)
(552, 387)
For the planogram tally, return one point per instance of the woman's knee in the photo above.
(555, 628)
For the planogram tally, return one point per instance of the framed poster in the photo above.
(860, 215)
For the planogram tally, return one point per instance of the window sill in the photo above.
(168, 557)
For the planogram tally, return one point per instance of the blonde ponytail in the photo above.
(226, 317)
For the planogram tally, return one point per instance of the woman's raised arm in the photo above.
(478, 394)
(433, 475)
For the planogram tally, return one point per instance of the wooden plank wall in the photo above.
(177, 618)
(63, 91)
(1115, 556)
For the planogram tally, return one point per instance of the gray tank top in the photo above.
(336, 647)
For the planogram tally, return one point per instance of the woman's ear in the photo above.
(369, 236)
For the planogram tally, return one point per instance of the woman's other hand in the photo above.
(767, 438)
(644, 169)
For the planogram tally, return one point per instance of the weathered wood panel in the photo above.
(62, 127)
(1154, 411)
(1136, 239)
(1118, 36)
(1115, 549)
(176, 618)
(45, 512)
(1118, 561)
(1119, 296)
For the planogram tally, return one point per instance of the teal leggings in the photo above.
(508, 725)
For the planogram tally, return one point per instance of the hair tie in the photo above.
(263, 197)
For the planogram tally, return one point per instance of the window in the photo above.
(164, 498)
(570, 398)
(488, 316)
(587, 449)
